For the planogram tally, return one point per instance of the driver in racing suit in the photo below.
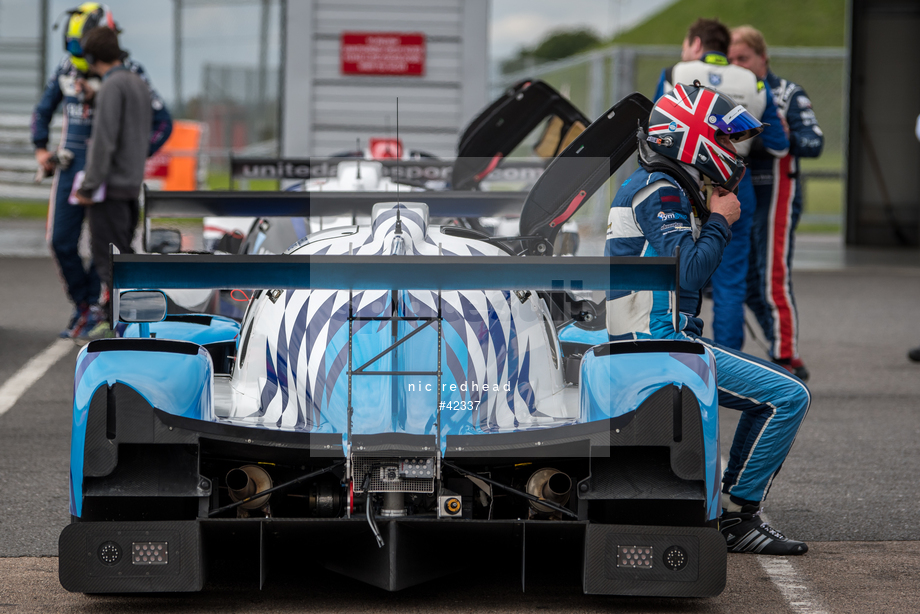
(72, 86)
(661, 206)
(779, 204)
(704, 52)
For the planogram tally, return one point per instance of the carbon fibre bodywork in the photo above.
(667, 432)
(142, 469)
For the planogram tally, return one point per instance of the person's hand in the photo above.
(83, 200)
(43, 157)
(726, 204)
(83, 87)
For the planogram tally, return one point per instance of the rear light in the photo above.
(639, 557)
(150, 553)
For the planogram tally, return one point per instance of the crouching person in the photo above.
(117, 151)
(660, 207)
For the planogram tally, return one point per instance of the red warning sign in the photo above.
(383, 53)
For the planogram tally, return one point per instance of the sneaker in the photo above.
(794, 366)
(79, 314)
(746, 531)
(102, 330)
(94, 326)
(914, 354)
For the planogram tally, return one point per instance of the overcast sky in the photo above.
(226, 31)
(517, 23)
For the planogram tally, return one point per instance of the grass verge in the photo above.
(23, 209)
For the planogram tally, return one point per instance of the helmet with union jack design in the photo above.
(697, 125)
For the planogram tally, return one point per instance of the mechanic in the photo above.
(71, 85)
(704, 54)
(118, 147)
(779, 204)
(692, 131)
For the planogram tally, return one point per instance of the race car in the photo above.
(397, 403)
(529, 117)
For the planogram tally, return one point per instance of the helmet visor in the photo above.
(74, 48)
(738, 124)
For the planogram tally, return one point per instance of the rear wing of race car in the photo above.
(434, 273)
(198, 204)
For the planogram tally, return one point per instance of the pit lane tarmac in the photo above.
(848, 487)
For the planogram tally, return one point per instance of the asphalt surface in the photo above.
(848, 487)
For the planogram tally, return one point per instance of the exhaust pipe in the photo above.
(246, 481)
(550, 484)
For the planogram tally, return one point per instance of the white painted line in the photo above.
(782, 573)
(792, 586)
(31, 372)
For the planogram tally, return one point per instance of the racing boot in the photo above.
(794, 366)
(96, 326)
(77, 319)
(746, 531)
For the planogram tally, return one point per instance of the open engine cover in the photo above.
(501, 127)
(584, 166)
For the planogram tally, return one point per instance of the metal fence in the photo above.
(236, 98)
(22, 61)
(21, 73)
(594, 81)
(240, 106)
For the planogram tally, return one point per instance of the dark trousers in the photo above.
(65, 221)
(111, 221)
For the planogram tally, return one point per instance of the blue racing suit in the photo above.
(650, 216)
(728, 282)
(779, 207)
(65, 221)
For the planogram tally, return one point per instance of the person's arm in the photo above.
(104, 138)
(161, 129)
(161, 125)
(663, 214)
(41, 119)
(773, 137)
(807, 139)
(663, 85)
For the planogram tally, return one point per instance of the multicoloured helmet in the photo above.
(693, 124)
(83, 19)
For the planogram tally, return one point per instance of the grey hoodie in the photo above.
(121, 136)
